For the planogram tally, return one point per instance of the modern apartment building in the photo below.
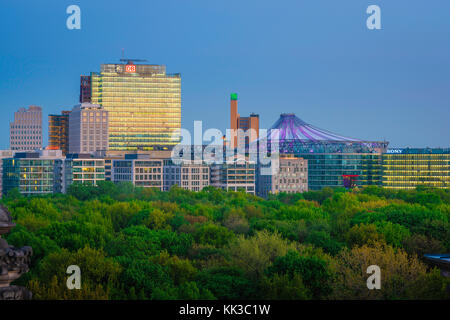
(88, 128)
(144, 105)
(58, 132)
(34, 172)
(289, 174)
(244, 130)
(187, 175)
(408, 168)
(235, 176)
(25, 132)
(139, 169)
(83, 169)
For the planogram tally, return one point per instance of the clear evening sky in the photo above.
(315, 58)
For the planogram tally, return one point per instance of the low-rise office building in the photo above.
(83, 169)
(288, 174)
(408, 168)
(187, 175)
(34, 172)
(139, 169)
(237, 175)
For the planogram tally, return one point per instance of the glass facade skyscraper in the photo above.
(144, 105)
(409, 168)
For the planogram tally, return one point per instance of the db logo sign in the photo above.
(130, 68)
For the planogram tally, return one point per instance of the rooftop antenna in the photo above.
(128, 60)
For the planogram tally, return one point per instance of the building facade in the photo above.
(25, 133)
(4, 154)
(289, 174)
(409, 168)
(58, 132)
(34, 172)
(83, 169)
(144, 105)
(243, 130)
(235, 176)
(88, 128)
(85, 89)
(140, 170)
(187, 175)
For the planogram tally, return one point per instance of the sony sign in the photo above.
(394, 151)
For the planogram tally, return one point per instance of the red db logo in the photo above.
(130, 68)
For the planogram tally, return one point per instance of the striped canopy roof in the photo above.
(292, 128)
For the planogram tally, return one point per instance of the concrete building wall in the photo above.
(25, 132)
(88, 129)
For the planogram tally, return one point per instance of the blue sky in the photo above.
(315, 58)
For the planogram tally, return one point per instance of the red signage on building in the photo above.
(130, 68)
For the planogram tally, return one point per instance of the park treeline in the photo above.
(141, 243)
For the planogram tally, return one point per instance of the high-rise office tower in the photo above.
(58, 131)
(144, 105)
(248, 125)
(88, 128)
(25, 133)
(85, 89)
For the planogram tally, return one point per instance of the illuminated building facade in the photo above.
(144, 105)
(58, 131)
(83, 169)
(409, 168)
(34, 172)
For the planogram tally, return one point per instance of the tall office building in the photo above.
(248, 125)
(88, 128)
(85, 89)
(58, 131)
(25, 133)
(144, 105)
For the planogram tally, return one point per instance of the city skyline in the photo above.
(319, 62)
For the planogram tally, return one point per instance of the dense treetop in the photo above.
(140, 243)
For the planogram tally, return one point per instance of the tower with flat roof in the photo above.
(143, 103)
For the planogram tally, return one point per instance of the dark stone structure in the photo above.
(13, 262)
